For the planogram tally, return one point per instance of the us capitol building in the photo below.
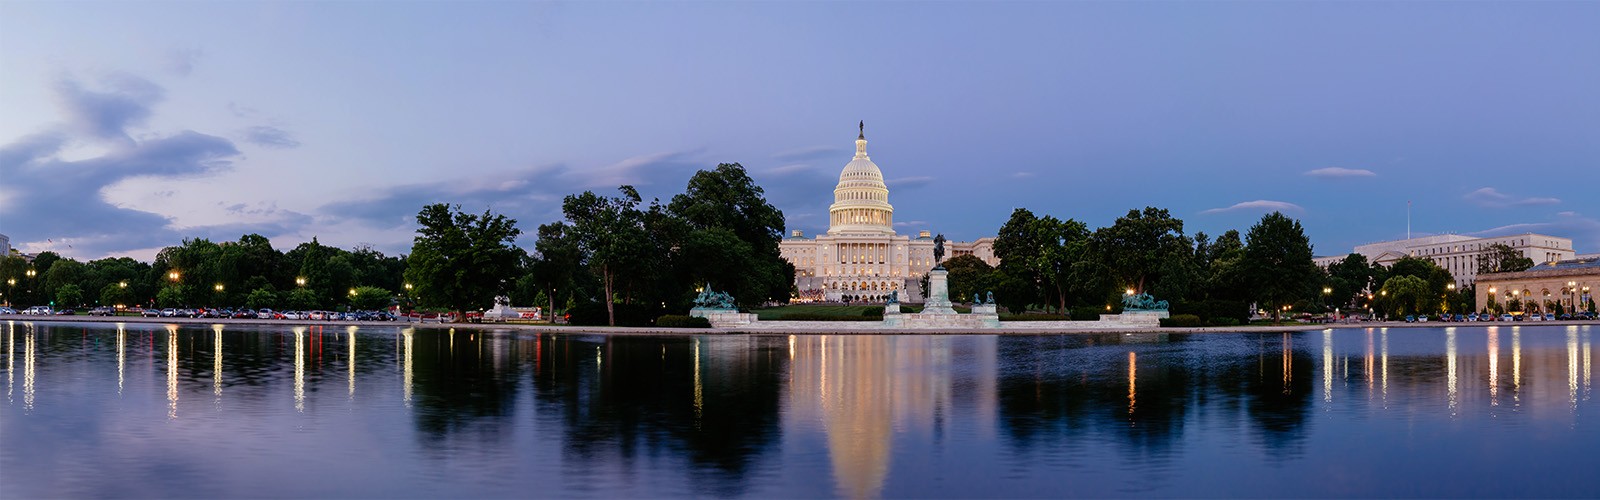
(861, 257)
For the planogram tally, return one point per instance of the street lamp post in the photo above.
(1572, 297)
(1493, 306)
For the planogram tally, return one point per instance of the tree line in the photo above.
(617, 260)
(201, 273)
(1061, 266)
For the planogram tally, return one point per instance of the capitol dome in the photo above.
(861, 200)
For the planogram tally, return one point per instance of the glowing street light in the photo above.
(122, 284)
(31, 273)
(218, 287)
(352, 292)
(300, 281)
(173, 276)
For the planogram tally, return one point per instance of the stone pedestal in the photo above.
(938, 293)
(1136, 318)
(724, 318)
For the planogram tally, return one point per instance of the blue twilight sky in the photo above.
(127, 126)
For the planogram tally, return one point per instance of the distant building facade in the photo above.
(861, 256)
(1459, 254)
(5, 246)
(1570, 283)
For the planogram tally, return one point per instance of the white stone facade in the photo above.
(1459, 254)
(861, 257)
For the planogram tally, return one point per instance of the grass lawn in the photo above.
(809, 311)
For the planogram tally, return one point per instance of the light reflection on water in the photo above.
(382, 411)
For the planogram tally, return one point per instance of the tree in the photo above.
(69, 295)
(115, 294)
(261, 297)
(1133, 248)
(302, 299)
(1406, 294)
(968, 275)
(559, 262)
(461, 261)
(1278, 265)
(729, 235)
(1224, 278)
(1018, 247)
(1349, 278)
(1500, 258)
(171, 296)
(369, 298)
(610, 234)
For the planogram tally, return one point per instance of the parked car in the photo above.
(1549, 316)
(66, 312)
(150, 313)
(1507, 317)
(38, 311)
(102, 311)
(7, 310)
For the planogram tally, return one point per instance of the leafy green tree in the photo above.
(1134, 247)
(115, 294)
(968, 275)
(558, 267)
(1224, 275)
(303, 299)
(1500, 258)
(1019, 246)
(171, 296)
(69, 295)
(610, 235)
(368, 298)
(62, 273)
(261, 298)
(461, 261)
(1436, 279)
(729, 234)
(1278, 265)
(1350, 278)
(1406, 294)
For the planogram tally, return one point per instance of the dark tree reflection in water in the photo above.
(306, 410)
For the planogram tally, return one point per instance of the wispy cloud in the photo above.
(272, 137)
(105, 113)
(1584, 230)
(909, 182)
(63, 201)
(1492, 198)
(530, 195)
(181, 62)
(809, 153)
(1340, 173)
(1258, 206)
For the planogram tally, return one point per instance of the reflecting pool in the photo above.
(151, 410)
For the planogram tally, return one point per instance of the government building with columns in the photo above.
(861, 257)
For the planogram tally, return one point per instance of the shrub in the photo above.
(1181, 320)
(1222, 322)
(1087, 313)
(873, 311)
(681, 321)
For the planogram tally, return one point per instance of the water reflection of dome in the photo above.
(863, 389)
